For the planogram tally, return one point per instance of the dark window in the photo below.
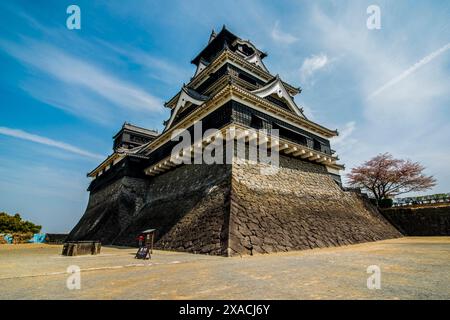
(317, 145)
(256, 122)
(290, 134)
(247, 78)
(278, 102)
(247, 50)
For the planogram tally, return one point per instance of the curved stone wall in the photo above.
(110, 210)
(189, 207)
(233, 210)
(299, 207)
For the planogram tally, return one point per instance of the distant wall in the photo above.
(55, 238)
(430, 221)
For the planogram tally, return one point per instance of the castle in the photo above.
(228, 208)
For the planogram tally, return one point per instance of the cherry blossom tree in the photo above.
(385, 177)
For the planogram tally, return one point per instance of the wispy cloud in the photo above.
(58, 194)
(20, 134)
(308, 112)
(81, 76)
(418, 102)
(155, 67)
(410, 70)
(313, 64)
(280, 36)
(345, 138)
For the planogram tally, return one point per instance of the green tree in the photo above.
(15, 224)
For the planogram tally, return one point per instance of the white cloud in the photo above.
(156, 67)
(72, 74)
(411, 70)
(411, 122)
(313, 64)
(281, 36)
(57, 196)
(308, 112)
(73, 100)
(20, 134)
(345, 140)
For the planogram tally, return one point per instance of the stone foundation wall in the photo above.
(430, 221)
(233, 210)
(110, 210)
(300, 207)
(189, 207)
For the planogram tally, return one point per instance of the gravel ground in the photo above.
(411, 268)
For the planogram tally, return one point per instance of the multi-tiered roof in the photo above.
(231, 87)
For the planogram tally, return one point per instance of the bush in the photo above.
(15, 224)
(22, 237)
(385, 203)
(3, 240)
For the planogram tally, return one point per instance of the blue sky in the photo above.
(64, 93)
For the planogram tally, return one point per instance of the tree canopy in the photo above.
(385, 177)
(15, 224)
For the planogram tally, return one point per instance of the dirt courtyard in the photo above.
(411, 268)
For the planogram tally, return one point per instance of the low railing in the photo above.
(439, 198)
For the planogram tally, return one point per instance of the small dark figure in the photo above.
(141, 240)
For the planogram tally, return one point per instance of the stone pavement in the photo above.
(411, 268)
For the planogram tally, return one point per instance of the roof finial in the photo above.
(212, 36)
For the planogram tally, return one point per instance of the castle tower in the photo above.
(229, 208)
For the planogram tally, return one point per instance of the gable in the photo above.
(277, 88)
(186, 96)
